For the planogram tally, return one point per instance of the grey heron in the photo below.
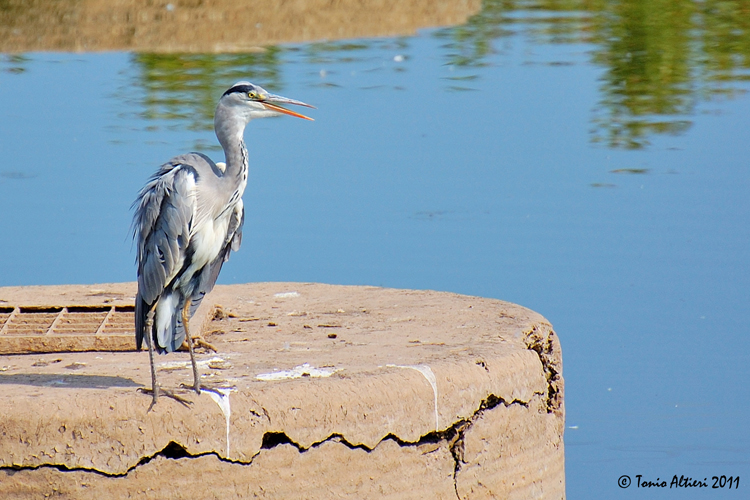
(188, 218)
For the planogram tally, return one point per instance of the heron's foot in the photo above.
(184, 402)
(198, 342)
(195, 387)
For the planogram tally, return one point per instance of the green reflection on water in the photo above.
(660, 59)
(183, 87)
(13, 63)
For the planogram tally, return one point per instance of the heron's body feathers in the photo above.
(185, 234)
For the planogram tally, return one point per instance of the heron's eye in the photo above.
(252, 95)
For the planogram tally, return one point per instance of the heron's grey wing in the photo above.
(162, 222)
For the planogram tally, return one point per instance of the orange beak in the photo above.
(279, 109)
(272, 102)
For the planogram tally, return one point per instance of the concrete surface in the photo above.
(320, 392)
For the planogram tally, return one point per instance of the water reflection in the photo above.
(13, 63)
(187, 26)
(649, 83)
(182, 87)
(661, 59)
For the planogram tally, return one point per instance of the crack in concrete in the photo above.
(453, 436)
(457, 432)
(540, 339)
(169, 451)
(172, 450)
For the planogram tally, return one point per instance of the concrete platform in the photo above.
(320, 392)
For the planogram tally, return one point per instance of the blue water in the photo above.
(482, 180)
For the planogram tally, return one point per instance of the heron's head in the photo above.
(247, 101)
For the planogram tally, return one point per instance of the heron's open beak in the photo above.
(272, 102)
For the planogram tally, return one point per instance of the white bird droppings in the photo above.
(430, 376)
(221, 397)
(298, 372)
(204, 363)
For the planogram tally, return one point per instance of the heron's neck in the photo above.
(236, 156)
(230, 133)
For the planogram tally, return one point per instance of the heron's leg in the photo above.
(155, 389)
(149, 341)
(185, 319)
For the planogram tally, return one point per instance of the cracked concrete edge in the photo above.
(541, 339)
(513, 452)
(271, 439)
(363, 409)
(466, 470)
(329, 471)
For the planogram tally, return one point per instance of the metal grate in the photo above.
(26, 329)
(121, 320)
(80, 320)
(5, 313)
